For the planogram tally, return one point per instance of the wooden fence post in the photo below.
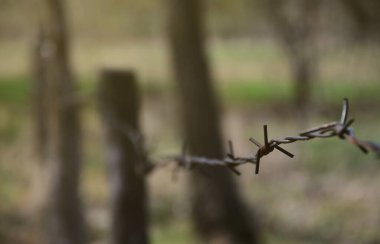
(119, 106)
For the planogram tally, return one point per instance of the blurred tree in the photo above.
(218, 211)
(295, 22)
(120, 105)
(63, 214)
(39, 96)
(365, 14)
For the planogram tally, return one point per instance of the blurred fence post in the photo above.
(119, 105)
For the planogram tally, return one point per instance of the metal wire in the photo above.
(339, 129)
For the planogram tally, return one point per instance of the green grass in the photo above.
(266, 92)
(13, 103)
(356, 92)
(178, 232)
(15, 91)
(255, 92)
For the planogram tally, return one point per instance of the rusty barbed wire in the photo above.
(340, 129)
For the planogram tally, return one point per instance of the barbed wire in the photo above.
(340, 129)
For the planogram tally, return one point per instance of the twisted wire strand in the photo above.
(339, 129)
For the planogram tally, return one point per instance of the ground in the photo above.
(327, 193)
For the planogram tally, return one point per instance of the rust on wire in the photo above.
(339, 129)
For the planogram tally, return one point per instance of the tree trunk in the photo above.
(218, 211)
(365, 16)
(304, 73)
(120, 106)
(40, 105)
(64, 217)
(296, 34)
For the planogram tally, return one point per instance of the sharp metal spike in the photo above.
(257, 168)
(266, 136)
(231, 153)
(284, 151)
(258, 144)
(345, 108)
(234, 170)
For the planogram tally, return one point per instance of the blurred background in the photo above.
(284, 63)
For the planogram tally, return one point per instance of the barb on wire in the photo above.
(339, 129)
(145, 164)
